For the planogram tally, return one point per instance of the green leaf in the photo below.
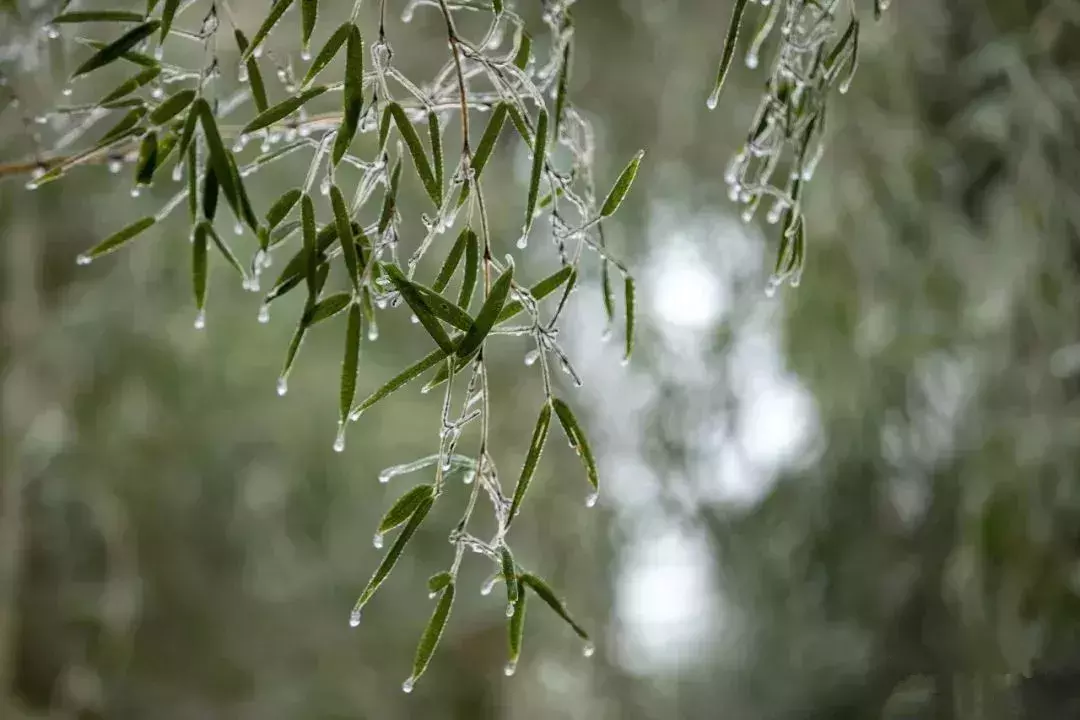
(622, 186)
(309, 15)
(311, 250)
(171, 106)
(327, 53)
(255, 78)
(210, 194)
(400, 380)
(484, 149)
(577, 440)
(605, 287)
(295, 270)
(451, 262)
(393, 554)
(628, 291)
(198, 265)
(489, 313)
(168, 13)
(509, 574)
(404, 507)
(519, 123)
(729, 51)
(416, 150)
(147, 161)
(542, 591)
(283, 109)
(188, 133)
(166, 145)
(224, 249)
(276, 11)
(444, 309)
(350, 363)
(472, 269)
(131, 84)
(117, 48)
(345, 236)
(352, 96)
(438, 581)
(420, 308)
(390, 199)
(327, 308)
(435, 134)
(536, 447)
(517, 625)
(430, 639)
(126, 123)
(560, 92)
(95, 16)
(192, 174)
(220, 157)
(131, 56)
(539, 291)
(117, 239)
(384, 128)
(497, 6)
(282, 207)
(539, 156)
(521, 59)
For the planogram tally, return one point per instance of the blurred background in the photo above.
(856, 499)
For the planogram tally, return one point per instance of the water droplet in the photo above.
(509, 609)
(116, 165)
(339, 441)
(796, 279)
(282, 386)
(510, 669)
(748, 214)
(238, 229)
(264, 313)
(354, 618)
(31, 185)
(713, 100)
(324, 186)
(52, 32)
(257, 52)
(159, 52)
(589, 650)
(305, 54)
(377, 541)
(771, 286)
(157, 93)
(413, 319)
(590, 501)
(531, 357)
(523, 242)
(135, 191)
(408, 685)
(177, 173)
(488, 585)
(468, 478)
(66, 92)
(373, 332)
(200, 320)
(733, 192)
(384, 477)
(83, 259)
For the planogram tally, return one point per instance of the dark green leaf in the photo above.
(560, 92)
(539, 291)
(255, 79)
(192, 173)
(126, 123)
(577, 440)
(352, 97)
(521, 59)
(168, 13)
(390, 199)
(327, 53)
(384, 128)
(517, 625)
(484, 149)
(438, 581)
(117, 48)
(311, 250)
(283, 109)
(350, 363)
(91, 16)
(198, 264)
(131, 56)
(545, 593)
(327, 308)
(393, 554)
(539, 157)
(497, 6)
(401, 379)
(404, 507)
(276, 11)
(345, 237)
(472, 269)
(622, 186)
(282, 207)
(309, 15)
(536, 447)
(489, 313)
(210, 194)
(416, 150)
(220, 157)
(451, 262)
(444, 309)
(171, 106)
(509, 574)
(729, 50)
(420, 308)
(131, 84)
(147, 161)
(118, 239)
(628, 289)
(430, 639)
(188, 133)
(435, 134)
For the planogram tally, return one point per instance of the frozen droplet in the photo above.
(354, 618)
(159, 52)
(488, 585)
(413, 319)
(384, 477)
(510, 669)
(373, 332)
(523, 242)
(83, 259)
(66, 92)
(52, 32)
(771, 286)
(339, 441)
(115, 166)
(282, 385)
(377, 541)
(796, 279)
(136, 191)
(305, 54)
(531, 357)
(589, 650)
(714, 99)
(509, 609)
(31, 185)
(624, 361)
(590, 501)
(733, 192)
(257, 52)
(468, 478)
(200, 320)
(238, 229)
(157, 93)
(264, 313)
(748, 214)
(408, 685)
(432, 595)
(751, 60)
(178, 173)
(324, 186)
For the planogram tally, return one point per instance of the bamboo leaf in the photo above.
(560, 92)
(311, 250)
(390, 199)
(131, 56)
(345, 236)
(126, 123)
(450, 264)
(168, 13)
(404, 507)
(430, 639)
(96, 16)
(327, 53)
(539, 156)
(497, 7)
(521, 59)
(509, 573)
(484, 149)
(282, 207)
(438, 581)
(536, 447)
(118, 48)
(392, 555)
(622, 186)
(400, 380)
(117, 239)
(444, 309)
(435, 134)
(198, 265)
(276, 11)
(353, 94)
(350, 363)
(283, 109)
(147, 161)
(309, 15)
(192, 173)
(542, 591)
(210, 194)
(577, 440)
(489, 313)
(517, 626)
(729, 51)
(327, 308)
(628, 293)
(220, 157)
(131, 85)
(188, 133)
(472, 269)
(171, 107)
(539, 291)
(384, 128)
(255, 78)
(224, 249)
(416, 150)
(420, 308)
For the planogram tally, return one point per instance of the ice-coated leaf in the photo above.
(114, 50)
(283, 109)
(384, 128)
(125, 124)
(509, 573)
(420, 308)
(327, 308)
(276, 11)
(536, 447)
(171, 106)
(394, 553)
(131, 56)
(188, 133)
(560, 92)
(309, 15)
(191, 172)
(350, 362)
(327, 53)
(489, 313)
(311, 250)
(539, 157)
(255, 78)
(416, 150)
(434, 630)
(131, 85)
(545, 593)
(282, 207)
(485, 147)
(404, 507)
(389, 206)
(607, 292)
(438, 581)
(517, 624)
(449, 266)
(628, 294)
(120, 238)
(577, 439)
(444, 309)
(729, 50)
(147, 161)
(224, 248)
(539, 291)
(622, 186)
(401, 379)
(220, 157)
(198, 264)
(497, 6)
(435, 134)
(345, 236)
(472, 269)
(97, 16)
(521, 59)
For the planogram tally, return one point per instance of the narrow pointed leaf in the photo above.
(560, 92)
(350, 363)
(131, 56)
(191, 172)
(171, 106)
(117, 48)
(276, 11)
(536, 447)
(524, 50)
(629, 299)
(131, 85)
(210, 194)
(430, 639)
(147, 161)
(438, 581)
(539, 291)
(622, 186)
(345, 236)
(435, 134)
(401, 379)
(126, 123)
(168, 14)
(255, 78)
(729, 49)
(517, 623)
(545, 593)
(577, 439)
(489, 313)
(539, 156)
(497, 7)
(484, 149)
(188, 133)
(283, 109)
(449, 266)
(282, 207)
(311, 251)
(472, 269)
(198, 265)
(509, 573)
(96, 16)
(420, 308)
(327, 53)
(384, 128)
(220, 157)
(309, 15)
(394, 553)
(390, 199)
(120, 238)
(404, 507)
(327, 308)
(224, 249)
(445, 310)
(416, 150)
